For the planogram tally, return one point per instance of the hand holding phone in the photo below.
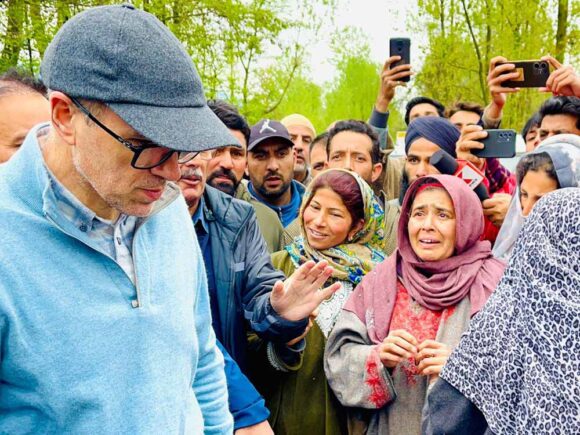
(527, 74)
(400, 47)
(499, 143)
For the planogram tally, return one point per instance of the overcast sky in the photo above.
(378, 19)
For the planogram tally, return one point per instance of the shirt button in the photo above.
(119, 240)
(83, 228)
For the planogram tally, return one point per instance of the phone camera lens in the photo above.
(536, 65)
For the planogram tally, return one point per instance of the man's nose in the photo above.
(226, 161)
(169, 169)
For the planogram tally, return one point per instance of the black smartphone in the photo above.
(400, 47)
(498, 143)
(533, 74)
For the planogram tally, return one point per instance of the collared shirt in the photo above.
(202, 231)
(113, 238)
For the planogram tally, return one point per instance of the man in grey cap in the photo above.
(105, 323)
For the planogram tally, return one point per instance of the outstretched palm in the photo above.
(299, 295)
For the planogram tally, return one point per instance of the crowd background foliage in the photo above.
(255, 53)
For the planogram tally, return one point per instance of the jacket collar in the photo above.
(32, 183)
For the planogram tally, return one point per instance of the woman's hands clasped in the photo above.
(430, 356)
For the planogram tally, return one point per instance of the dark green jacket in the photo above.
(268, 221)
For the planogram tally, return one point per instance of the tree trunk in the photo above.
(562, 30)
(480, 68)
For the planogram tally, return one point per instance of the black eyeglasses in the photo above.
(147, 154)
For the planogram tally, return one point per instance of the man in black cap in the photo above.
(105, 322)
(271, 168)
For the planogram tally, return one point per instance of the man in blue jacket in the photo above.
(105, 322)
(243, 284)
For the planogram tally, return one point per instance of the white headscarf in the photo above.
(564, 151)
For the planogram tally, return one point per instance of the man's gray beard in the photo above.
(300, 168)
(87, 181)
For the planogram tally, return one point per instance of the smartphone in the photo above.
(400, 47)
(533, 74)
(498, 143)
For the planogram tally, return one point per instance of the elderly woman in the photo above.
(517, 369)
(399, 326)
(555, 164)
(341, 223)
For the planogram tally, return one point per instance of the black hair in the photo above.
(561, 106)
(536, 162)
(423, 100)
(15, 81)
(230, 116)
(534, 121)
(356, 127)
(465, 106)
(322, 137)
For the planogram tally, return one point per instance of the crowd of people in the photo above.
(168, 268)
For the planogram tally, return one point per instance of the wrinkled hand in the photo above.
(495, 79)
(398, 346)
(311, 319)
(563, 81)
(390, 79)
(299, 295)
(262, 428)
(431, 358)
(470, 134)
(496, 208)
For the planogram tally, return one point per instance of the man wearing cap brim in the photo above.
(271, 161)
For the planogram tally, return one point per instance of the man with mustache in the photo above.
(302, 133)
(227, 167)
(271, 163)
(245, 290)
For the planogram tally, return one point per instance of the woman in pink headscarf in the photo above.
(401, 323)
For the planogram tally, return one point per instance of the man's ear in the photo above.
(62, 113)
(376, 173)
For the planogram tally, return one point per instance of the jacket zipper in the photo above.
(233, 281)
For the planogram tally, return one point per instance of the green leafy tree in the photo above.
(464, 35)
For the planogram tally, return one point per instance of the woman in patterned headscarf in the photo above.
(341, 223)
(517, 368)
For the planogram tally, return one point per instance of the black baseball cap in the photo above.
(268, 129)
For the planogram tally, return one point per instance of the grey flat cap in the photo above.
(129, 60)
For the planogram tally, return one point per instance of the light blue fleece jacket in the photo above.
(78, 354)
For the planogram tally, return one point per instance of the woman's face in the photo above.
(327, 222)
(432, 225)
(535, 184)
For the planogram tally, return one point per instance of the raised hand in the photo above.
(300, 294)
(390, 79)
(468, 141)
(563, 81)
(497, 76)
